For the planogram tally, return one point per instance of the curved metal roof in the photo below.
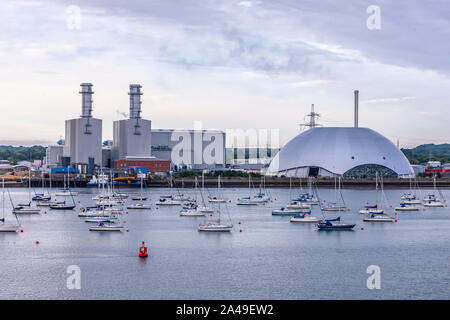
(339, 149)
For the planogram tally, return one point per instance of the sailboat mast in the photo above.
(29, 183)
(3, 199)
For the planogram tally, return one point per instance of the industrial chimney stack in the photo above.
(356, 108)
(86, 100)
(135, 101)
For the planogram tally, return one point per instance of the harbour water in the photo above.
(270, 259)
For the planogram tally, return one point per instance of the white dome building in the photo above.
(344, 151)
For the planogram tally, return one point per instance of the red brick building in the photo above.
(153, 165)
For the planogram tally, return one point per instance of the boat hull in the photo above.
(304, 219)
(27, 211)
(9, 228)
(97, 228)
(215, 228)
(336, 227)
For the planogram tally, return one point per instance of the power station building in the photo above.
(132, 137)
(349, 152)
(84, 135)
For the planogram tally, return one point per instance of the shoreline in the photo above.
(233, 182)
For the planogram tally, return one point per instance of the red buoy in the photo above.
(143, 251)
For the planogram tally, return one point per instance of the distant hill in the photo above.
(15, 154)
(421, 154)
(417, 155)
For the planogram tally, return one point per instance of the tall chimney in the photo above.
(356, 108)
(86, 100)
(135, 101)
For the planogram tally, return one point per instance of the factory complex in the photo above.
(135, 145)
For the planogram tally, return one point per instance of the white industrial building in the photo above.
(83, 141)
(53, 155)
(190, 149)
(340, 151)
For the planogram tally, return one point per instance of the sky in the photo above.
(229, 64)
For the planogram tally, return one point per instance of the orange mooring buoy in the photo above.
(143, 251)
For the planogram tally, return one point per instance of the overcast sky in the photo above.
(230, 64)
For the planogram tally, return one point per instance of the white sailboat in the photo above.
(140, 196)
(141, 205)
(259, 198)
(432, 200)
(373, 209)
(193, 209)
(65, 191)
(27, 209)
(336, 206)
(378, 215)
(4, 227)
(217, 199)
(215, 225)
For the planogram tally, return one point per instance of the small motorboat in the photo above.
(247, 201)
(109, 202)
(138, 197)
(289, 212)
(192, 213)
(217, 200)
(102, 226)
(48, 203)
(190, 205)
(378, 218)
(433, 203)
(334, 225)
(24, 204)
(332, 206)
(41, 197)
(371, 210)
(164, 201)
(139, 206)
(62, 206)
(407, 207)
(101, 219)
(295, 204)
(303, 218)
(180, 197)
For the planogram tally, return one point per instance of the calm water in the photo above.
(270, 259)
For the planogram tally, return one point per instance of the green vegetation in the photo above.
(16, 154)
(421, 154)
